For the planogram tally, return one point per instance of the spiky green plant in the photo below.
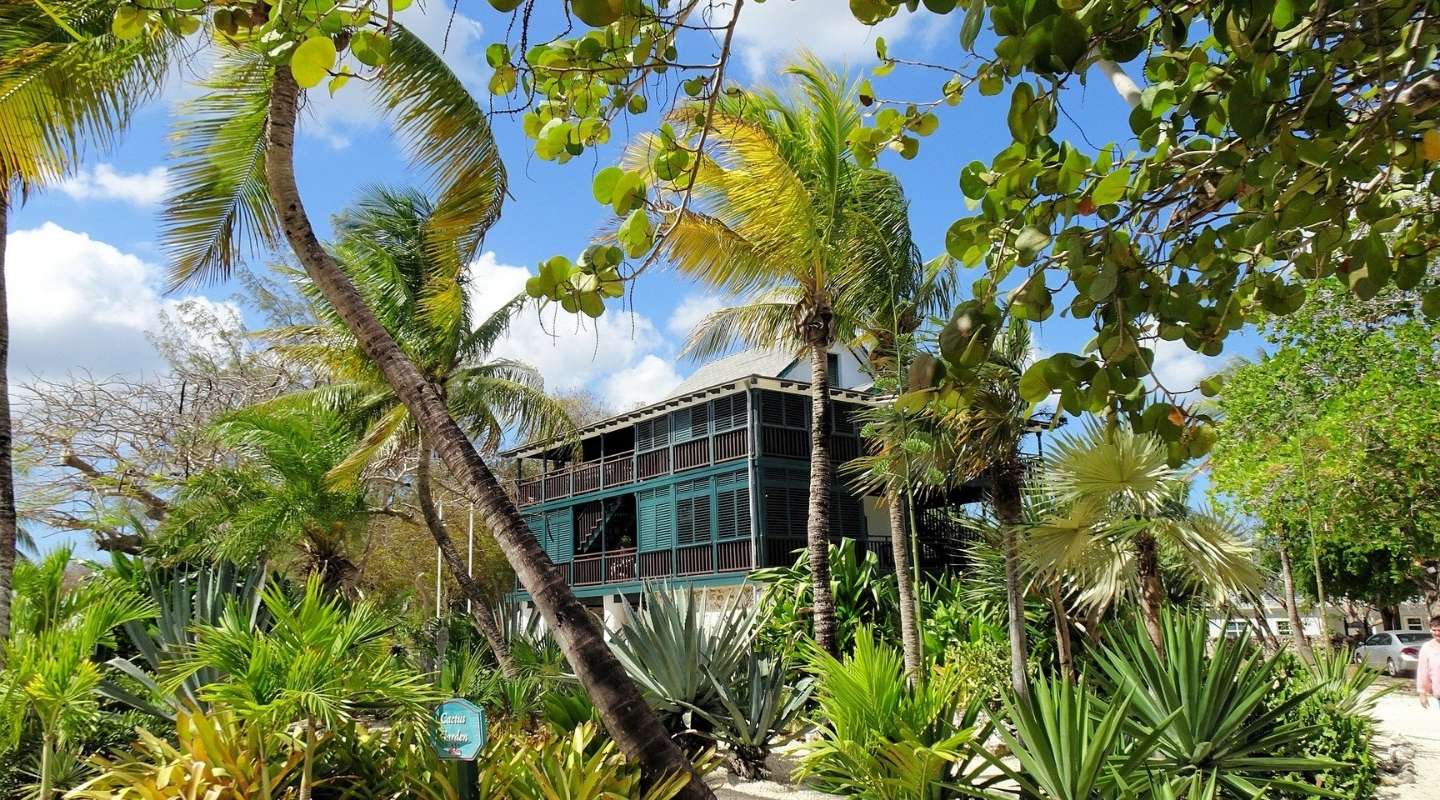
(757, 709)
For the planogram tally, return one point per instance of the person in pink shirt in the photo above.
(1427, 672)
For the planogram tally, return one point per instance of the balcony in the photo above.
(623, 469)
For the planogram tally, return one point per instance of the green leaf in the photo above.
(370, 48)
(1069, 41)
(337, 82)
(128, 22)
(1034, 386)
(634, 233)
(1430, 304)
(1032, 239)
(1022, 112)
(603, 187)
(1111, 187)
(497, 54)
(312, 60)
(970, 29)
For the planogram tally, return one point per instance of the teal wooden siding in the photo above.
(655, 518)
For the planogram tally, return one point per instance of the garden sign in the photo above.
(461, 729)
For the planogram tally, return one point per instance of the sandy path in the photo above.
(1400, 719)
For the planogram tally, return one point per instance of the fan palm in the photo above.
(781, 218)
(1122, 512)
(51, 674)
(416, 288)
(65, 82)
(275, 503)
(317, 663)
(236, 180)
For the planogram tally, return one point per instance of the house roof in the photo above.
(767, 362)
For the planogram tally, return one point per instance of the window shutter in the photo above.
(732, 506)
(729, 412)
(652, 434)
(560, 543)
(656, 519)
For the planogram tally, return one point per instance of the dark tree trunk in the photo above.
(905, 581)
(1152, 589)
(1292, 608)
(1390, 617)
(7, 472)
(1064, 644)
(628, 719)
(1008, 510)
(817, 522)
(480, 609)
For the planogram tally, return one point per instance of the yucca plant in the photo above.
(1207, 709)
(1069, 744)
(677, 657)
(881, 738)
(757, 710)
(216, 755)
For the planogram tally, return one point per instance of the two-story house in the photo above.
(708, 484)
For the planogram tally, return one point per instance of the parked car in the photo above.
(1396, 652)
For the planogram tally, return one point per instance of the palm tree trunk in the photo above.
(47, 748)
(7, 474)
(817, 521)
(1064, 644)
(480, 609)
(307, 772)
(628, 719)
(1152, 589)
(1006, 494)
(1292, 608)
(905, 582)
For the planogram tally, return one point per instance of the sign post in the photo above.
(460, 734)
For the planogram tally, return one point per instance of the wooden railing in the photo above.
(615, 566)
(732, 444)
(692, 454)
(587, 476)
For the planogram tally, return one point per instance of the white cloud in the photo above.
(647, 381)
(618, 354)
(692, 309)
(1178, 368)
(772, 33)
(105, 183)
(81, 304)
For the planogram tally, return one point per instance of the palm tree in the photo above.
(51, 674)
(416, 287)
(901, 291)
(1125, 514)
(65, 82)
(779, 217)
(238, 179)
(317, 663)
(274, 503)
(982, 429)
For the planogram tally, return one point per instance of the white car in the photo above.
(1396, 652)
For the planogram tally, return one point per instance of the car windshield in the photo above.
(1412, 638)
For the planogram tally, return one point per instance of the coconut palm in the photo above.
(65, 83)
(58, 627)
(779, 217)
(1123, 513)
(901, 291)
(416, 287)
(236, 180)
(275, 503)
(317, 663)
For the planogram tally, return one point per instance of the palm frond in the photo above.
(447, 133)
(218, 210)
(763, 323)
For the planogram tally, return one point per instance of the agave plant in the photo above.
(757, 711)
(677, 657)
(1208, 711)
(185, 597)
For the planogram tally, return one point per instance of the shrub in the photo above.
(864, 597)
(583, 765)
(1337, 716)
(757, 712)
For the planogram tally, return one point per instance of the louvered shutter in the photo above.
(560, 541)
(657, 519)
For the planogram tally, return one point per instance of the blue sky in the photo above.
(86, 269)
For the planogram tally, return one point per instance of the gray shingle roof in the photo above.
(769, 363)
